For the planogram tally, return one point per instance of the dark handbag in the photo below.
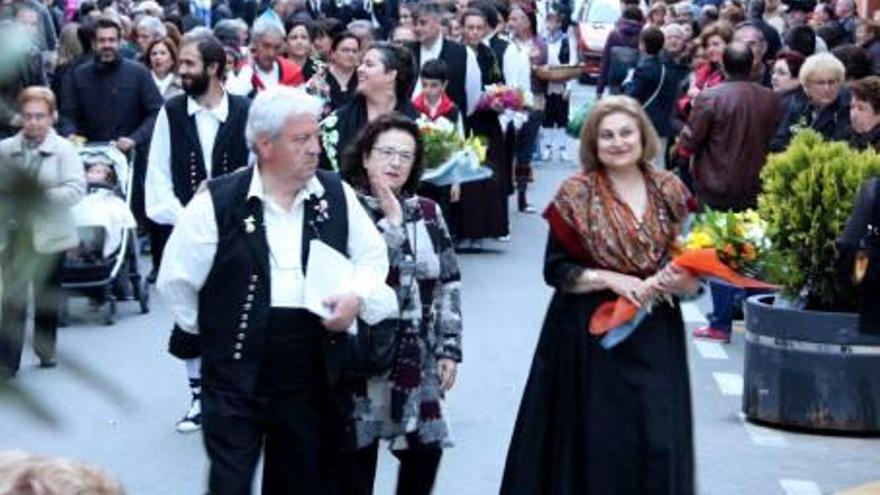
(369, 352)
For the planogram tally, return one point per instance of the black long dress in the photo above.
(482, 210)
(596, 421)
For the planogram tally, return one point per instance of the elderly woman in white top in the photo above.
(35, 164)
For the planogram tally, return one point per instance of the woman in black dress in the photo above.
(384, 84)
(481, 211)
(616, 421)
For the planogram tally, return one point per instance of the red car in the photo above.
(595, 20)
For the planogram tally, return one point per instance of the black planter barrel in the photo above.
(810, 369)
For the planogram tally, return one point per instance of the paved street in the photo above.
(504, 303)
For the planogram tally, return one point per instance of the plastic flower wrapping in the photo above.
(512, 104)
(726, 246)
(448, 157)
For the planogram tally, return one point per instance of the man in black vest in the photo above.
(198, 135)
(492, 35)
(465, 85)
(234, 277)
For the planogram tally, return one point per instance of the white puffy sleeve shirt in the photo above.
(189, 256)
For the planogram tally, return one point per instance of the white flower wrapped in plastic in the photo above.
(448, 158)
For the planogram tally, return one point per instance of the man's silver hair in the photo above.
(154, 25)
(197, 33)
(262, 28)
(273, 107)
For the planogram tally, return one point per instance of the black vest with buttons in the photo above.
(230, 148)
(234, 303)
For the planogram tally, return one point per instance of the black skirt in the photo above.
(482, 210)
(596, 421)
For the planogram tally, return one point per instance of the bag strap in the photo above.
(659, 86)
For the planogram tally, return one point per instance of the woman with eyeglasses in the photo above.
(384, 84)
(405, 406)
(33, 239)
(821, 104)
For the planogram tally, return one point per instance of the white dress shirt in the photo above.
(270, 78)
(240, 84)
(517, 66)
(189, 255)
(517, 71)
(162, 204)
(553, 50)
(473, 84)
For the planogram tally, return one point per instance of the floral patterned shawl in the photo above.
(597, 228)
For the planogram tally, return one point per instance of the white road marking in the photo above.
(761, 436)
(692, 314)
(799, 487)
(729, 383)
(710, 350)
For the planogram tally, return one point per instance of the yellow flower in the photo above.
(478, 147)
(699, 240)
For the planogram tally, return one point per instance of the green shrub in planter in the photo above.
(808, 194)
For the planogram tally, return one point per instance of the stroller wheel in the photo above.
(110, 319)
(144, 297)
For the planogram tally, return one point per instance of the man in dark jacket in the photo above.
(728, 134)
(112, 99)
(109, 98)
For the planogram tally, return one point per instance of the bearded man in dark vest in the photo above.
(198, 136)
(234, 277)
(465, 84)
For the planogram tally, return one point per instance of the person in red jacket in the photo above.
(269, 67)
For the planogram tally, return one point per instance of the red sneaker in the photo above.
(709, 333)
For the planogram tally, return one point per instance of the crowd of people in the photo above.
(259, 135)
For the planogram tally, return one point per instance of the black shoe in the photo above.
(192, 422)
(151, 278)
(48, 363)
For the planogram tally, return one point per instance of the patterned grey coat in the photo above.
(405, 406)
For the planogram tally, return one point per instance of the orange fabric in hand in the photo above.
(699, 262)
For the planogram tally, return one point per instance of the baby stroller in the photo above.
(104, 266)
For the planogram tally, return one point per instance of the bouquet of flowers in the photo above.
(511, 103)
(448, 157)
(739, 240)
(732, 247)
